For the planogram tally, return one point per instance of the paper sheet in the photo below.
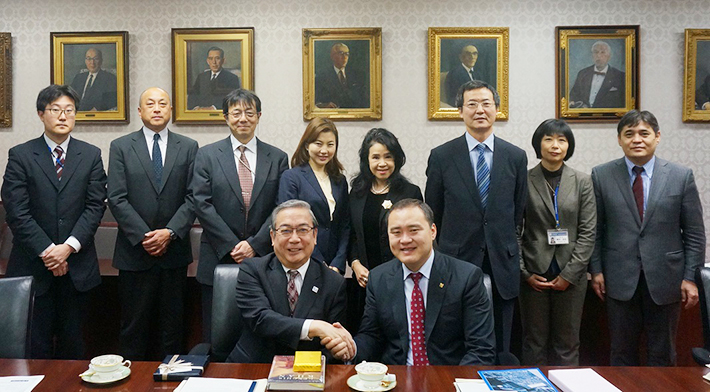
(19, 383)
(201, 384)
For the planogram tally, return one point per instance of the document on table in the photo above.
(201, 384)
(19, 383)
(580, 380)
(471, 385)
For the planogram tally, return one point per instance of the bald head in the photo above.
(339, 54)
(93, 60)
(154, 108)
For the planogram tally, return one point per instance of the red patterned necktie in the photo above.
(59, 165)
(638, 189)
(245, 180)
(291, 290)
(416, 317)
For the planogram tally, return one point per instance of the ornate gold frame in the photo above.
(120, 40)
(690, 85)
(374, 36)
(563, 35)
(6, 78)
(441, 111)
(180, 38)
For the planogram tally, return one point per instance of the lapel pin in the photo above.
(315, 289)
(441, 285)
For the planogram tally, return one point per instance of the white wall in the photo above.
(404, 25)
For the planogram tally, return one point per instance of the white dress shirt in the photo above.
(597, 81)
(299, 284)
(249, 152)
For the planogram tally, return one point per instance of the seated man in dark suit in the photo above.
(461, 73)
(337, 87)
(96, 87)
(212, 85)
(424, 307)
(289, 301)
(600, 85)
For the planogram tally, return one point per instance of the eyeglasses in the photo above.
(474, 104)
(287, 231)
(69, 112)
(238, 114)
(93, 59)
(342, 53)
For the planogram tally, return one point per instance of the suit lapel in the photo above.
(171, 153)
(277, 287)
(435, 294)
(658, 185)
(537, 179)
(263, 166)
(310, 176)
(71, 162)
(462, 160)
(399, 307)
(141, 149)
(621, 175)
(309, 291)
(229, 168)
(43, 156)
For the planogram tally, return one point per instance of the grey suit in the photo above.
(551, 319)
(646, 259)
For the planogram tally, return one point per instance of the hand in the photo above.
(538, 283)
(688, 294)
(335, 338)
(559, 284)
(598, 285)
(156, 242)
(335, 269)
(329, 105)
(61, 269)
(361, 273)
(55, 257)
(241, 251)
(706, 106)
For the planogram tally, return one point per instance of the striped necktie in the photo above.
(483, 175)
(59, 165)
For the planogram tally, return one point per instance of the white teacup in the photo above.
(371, 373)
(109, 363)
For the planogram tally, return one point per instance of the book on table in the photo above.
(529, 380)
(282, 377)
(580, 380)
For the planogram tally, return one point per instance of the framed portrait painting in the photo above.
(5, 80)
(696, 83)
(208, 64)
(460, 54)
(597, 72)
(95, 65)
(342, 73)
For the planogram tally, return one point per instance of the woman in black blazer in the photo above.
(374, 190)
(316, 177)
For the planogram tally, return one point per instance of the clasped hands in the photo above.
(156, 242)
(55, 259)
(538, 283)
(335, 338)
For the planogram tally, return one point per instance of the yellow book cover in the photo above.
(307, 361)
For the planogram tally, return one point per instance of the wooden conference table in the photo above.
(63, 376)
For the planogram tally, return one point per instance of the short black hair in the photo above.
(53, 92)
(551, 127)
(633, 117)
(243, 96)
(221, 52)
(410, 203)
(475, 85)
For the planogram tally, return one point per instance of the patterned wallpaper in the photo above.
(278, 25)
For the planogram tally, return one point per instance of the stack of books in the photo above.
(303, 372)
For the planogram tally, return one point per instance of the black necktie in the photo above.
(88, 85)
(470, 72)
(157, 160)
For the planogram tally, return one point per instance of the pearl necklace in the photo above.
(382, 191)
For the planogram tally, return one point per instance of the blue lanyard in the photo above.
(557, 211)
(56, 159)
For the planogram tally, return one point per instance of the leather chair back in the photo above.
(16, 316)
(702, 280)
(226, 318)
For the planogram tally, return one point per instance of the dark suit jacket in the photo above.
(465, 230)
(206, 92)
(263, 302)
(356, 246)
(612, 93)
(578, 215)
(219, 204)
(301, 183)
(669, 245)
(42, 210)
(454, 79)
(702, 94)
(140, 205)
(458, 324)
(102, 93)
(355, 93)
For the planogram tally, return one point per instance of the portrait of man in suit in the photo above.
(213, 84)
(53, 192)
(338, 85)
(463, 60)
(96, 87)
(599, 85)
(702, 75)
(148, 193)
(650, 240)
(235, 185)
(462, 73)
(288, 300)
(477, 187)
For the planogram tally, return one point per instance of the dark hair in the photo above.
(475, 85)
(551, 127)
(633, 117)
(293, 203)
(317, 126)
(53, 92)
(241, 96)
(409, 203)
(221, 52)
(362, 182)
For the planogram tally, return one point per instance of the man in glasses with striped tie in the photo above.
(53, 192)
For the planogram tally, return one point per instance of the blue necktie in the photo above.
(483, 175)
(157, 160)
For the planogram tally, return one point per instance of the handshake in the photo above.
(335, 338)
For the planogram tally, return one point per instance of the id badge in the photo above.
(557, 237)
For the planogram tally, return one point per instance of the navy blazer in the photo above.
(301, 183)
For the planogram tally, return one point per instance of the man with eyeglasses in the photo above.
(235, 184)
(461, 73)
(53, 192)
(289, 301)
(148, 193)
(477, 188)
(213, 84)
(96, 87)
(338, 86)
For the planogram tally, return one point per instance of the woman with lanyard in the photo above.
(558, 239)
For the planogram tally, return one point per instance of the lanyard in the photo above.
(56, 159)
(554, 201)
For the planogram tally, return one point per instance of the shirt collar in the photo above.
(215, 73)
(605, 69)
(148, 133)
(301, 270)
(339, 69)
(425, 270)
(251, 144)
(467, 68)
(648, 167)
(52, 145)
(472, 143)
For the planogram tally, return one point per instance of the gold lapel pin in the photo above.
(441, 285)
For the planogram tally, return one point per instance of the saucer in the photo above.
(355, 383)
(121, 373)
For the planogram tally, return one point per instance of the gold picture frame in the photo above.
(447, 72)
(95, 64)
(597, 72)
(5, 80)
(197, 55)
(696, 80)
(357, 94)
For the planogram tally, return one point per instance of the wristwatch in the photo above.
(173, 236)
